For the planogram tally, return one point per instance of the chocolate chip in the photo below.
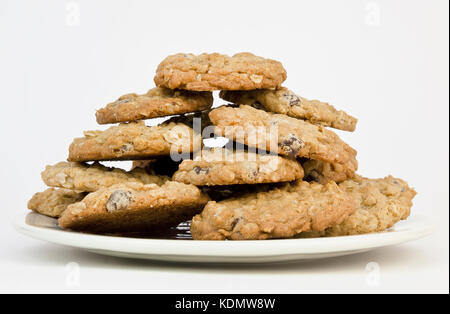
(200, 170)
(293, 99)
(118, 200)
(291, 145)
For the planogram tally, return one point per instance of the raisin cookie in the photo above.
(324, 172)
(157, 102)
(380, 204)
(209, 72)
(280, 213)
(134, 140)
(90, 178)
(286, 102)
(281, 134)
(53, 202)
(221, 166)
(134, 207)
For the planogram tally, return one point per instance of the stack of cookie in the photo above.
(283, 173)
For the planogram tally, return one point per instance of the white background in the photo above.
(385, 62)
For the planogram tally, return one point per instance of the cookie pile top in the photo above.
(283, 173)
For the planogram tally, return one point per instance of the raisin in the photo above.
(118, 200)
(291, 145)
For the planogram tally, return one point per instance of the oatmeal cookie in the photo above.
(324, 172)
(280, 213)
(157, 102)
(134, 140)
(53, 202)
(380, 203)
(209, 72)
(90, 178)
(220, 166)
(281, 134)
(286, 102)
(134, 207)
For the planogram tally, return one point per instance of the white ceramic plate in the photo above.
(179, 250)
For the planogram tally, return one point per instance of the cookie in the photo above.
(209, 72)
(134, 140)
(324, 172)
(280, 213)
(157, 102)
(220, 166)
(90, 178)
(286, 102)
(134, 207)
(53, 202)
(380, 203)
(281, 134)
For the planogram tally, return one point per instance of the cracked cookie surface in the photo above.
(53, 202)
(286, 102)
(281, 134)
(134, 140)
(134, 207)
(280, 213)
(157, 102)
(213, 71)
(90, 178)
(219, 166)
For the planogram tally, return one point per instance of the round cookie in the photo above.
(90, 178)
(280, 213)
(380, 203)
(281, 134)
(53, 202)
(133, 207)
(157, 102)
(134, 140)
(209, 72)
(286, 102)
(220, 166)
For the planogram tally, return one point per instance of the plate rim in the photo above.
(419, 227)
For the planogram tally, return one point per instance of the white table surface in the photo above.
(29, 265)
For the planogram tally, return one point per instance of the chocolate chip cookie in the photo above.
(53, 202)
(134, 140)
(221, 166)
(281, 134)
(209, 72)
(280, 213)
(134, 207)
(90, 178)
(157, 102)
(286, 102)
